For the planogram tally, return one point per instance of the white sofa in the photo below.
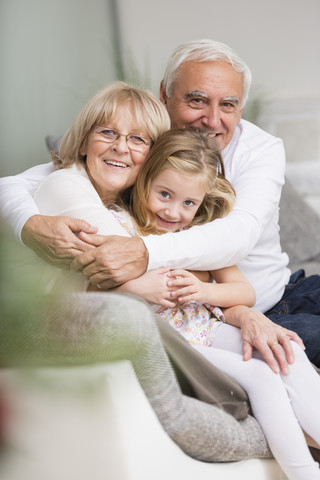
(116, 435)
(94, 422)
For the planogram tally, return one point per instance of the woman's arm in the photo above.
(69, 193)
(260, 333)
(231, 288)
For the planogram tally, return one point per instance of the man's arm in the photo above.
(114, 261)
(258, 179)
(52, 238)
(55, 239)
(16, 202)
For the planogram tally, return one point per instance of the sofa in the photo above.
(78, 419)
(74, 408)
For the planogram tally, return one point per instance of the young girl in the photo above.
(182, 184)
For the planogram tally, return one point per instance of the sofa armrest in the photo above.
(96, 422)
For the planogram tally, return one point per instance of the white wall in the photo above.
(279, 39)
(54, 54)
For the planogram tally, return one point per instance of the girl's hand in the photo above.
(152, 286)
(186, 287)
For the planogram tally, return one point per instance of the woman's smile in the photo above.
(111, 165)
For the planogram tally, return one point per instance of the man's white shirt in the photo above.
(248, 237)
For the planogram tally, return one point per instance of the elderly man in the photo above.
(206, 86)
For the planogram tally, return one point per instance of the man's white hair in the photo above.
(203, 51)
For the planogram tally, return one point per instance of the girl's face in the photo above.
(113, 166)
(174, 198)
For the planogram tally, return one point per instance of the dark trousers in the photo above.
(299, 310)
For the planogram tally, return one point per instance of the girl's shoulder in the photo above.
(124, 218)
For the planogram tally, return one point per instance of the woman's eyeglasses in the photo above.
(134, 142)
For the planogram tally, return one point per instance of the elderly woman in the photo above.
(99, 159)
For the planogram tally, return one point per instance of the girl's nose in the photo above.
(172, 211)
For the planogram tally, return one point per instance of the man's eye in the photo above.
(188, 203)
(228, 107)
(197, 102)
(164, 194)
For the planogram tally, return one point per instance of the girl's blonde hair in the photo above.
(149, 113)
(190, 151)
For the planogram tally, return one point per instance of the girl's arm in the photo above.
(151, 286)
(231, 288)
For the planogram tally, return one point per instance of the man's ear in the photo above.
(163, 95)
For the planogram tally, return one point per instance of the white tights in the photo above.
(281, 404)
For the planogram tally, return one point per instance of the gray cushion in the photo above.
(299, 231)
(53, 142)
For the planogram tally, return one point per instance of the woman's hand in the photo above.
(260, 333)
(152, 286)
(54, 239)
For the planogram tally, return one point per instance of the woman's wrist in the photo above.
(236, 315)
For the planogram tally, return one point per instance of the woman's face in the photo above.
(113, 166)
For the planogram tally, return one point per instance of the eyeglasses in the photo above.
(134, 142)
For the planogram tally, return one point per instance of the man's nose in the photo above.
(212, 117)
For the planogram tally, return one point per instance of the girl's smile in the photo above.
(175, 197)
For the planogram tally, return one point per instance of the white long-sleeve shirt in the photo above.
(67, 192)
(248, 236)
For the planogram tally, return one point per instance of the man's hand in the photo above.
(114, 261)
(54, 239)
(260, 333)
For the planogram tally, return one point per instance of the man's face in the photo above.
(206, 95)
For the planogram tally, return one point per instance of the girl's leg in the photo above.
(269, 401)
(303, 387)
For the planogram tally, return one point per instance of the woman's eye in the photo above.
(136, 139)
(107, 132)
(188, 203)
(164, 194)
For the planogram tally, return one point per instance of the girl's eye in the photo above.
(164, 194)
(189, 203)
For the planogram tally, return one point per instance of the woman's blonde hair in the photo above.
(149, 113)
(190, 151)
